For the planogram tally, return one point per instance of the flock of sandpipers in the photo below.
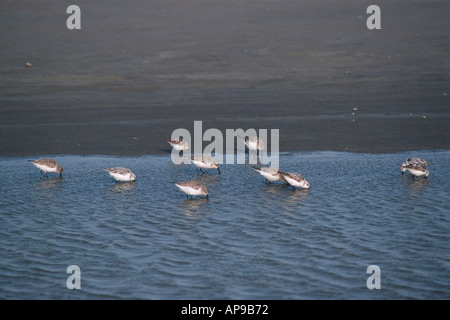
(416, 166)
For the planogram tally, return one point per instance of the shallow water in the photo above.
(145, 240)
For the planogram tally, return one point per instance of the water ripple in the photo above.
(249, 240)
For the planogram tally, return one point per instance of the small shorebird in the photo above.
(121, 174)
(179, 144)
(417, 170)
(253, 143)
(416, 166)
(271, 174)
(295, 180)
(192, 188)
(204, 161)
(414, 162)
(48, 165)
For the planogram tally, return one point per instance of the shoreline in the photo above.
(282, 154)
(135, 131)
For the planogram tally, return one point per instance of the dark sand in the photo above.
(137, 70)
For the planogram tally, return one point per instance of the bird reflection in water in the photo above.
(50, 183)
(123, 187)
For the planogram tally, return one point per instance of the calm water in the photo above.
(250, 240)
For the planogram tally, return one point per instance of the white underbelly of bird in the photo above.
(271, 174)
(296, 180)
(46, 168)
(192, 188)
(121, 174)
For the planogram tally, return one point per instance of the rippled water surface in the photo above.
(250, 240)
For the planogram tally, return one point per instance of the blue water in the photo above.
(250, 240)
